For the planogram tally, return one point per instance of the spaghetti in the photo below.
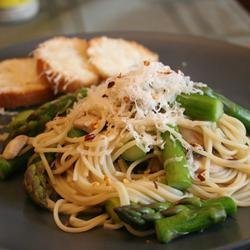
(89, 170)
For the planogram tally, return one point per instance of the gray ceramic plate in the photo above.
(224, 67)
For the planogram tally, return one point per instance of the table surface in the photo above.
(220, 19)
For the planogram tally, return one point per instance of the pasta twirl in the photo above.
(135, 110)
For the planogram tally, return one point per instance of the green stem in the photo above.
(188, 221)
(201, 107)
(231, 108)
(175, 163)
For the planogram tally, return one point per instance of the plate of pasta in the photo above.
(151, 157)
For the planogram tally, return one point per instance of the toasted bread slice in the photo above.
(64, 63)
(114, 56)
(20, 84)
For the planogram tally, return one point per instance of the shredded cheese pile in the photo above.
(142, 101)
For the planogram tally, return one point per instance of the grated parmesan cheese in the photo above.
(142, 101)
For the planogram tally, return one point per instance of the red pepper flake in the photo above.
(201, 176)
(89, 137)
(104, 95)
(111, 84)
(146, 63)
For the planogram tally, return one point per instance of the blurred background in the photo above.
(226, 20)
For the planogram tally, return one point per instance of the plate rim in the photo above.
(189, 37)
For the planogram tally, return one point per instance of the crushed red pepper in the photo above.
(89, 137)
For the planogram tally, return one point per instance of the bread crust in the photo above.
(12, 100)
(63, 80)
(20, 93)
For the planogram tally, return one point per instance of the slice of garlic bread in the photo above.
(20, 84)
(114, 56)
(64, 63)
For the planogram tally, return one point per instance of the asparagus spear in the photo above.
(9, 167)
(231, 108)
(201, 107)
(31, 123)
(18, 119)
(141, 217)
(196, 218)
(189, 221)
(36, 181)
(175, 163)
(35, 122)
